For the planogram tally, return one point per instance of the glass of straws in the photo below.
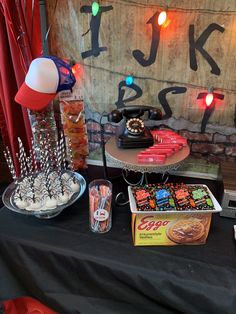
(100, 210)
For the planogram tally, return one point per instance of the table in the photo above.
(228, 172)
(70, 269)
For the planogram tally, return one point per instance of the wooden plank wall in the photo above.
(125, 29)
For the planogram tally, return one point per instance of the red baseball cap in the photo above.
(46, 76)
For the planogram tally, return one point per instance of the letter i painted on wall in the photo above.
(94, 28)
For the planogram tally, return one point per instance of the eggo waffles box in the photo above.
(171, 227)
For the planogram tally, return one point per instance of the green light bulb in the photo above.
(95, 8)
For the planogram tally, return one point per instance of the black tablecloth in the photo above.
(70, 269)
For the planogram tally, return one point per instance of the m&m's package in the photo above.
(200, 197)
(164, 199)
(154, 198)
(162, 195)
(144, 199)
(182, 196)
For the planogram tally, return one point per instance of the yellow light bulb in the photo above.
(162, 18)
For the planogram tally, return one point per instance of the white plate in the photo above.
(7, 199)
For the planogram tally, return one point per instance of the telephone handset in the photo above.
(134, 134)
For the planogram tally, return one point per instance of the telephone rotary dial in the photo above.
(134, 133)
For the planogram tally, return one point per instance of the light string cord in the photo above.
(156, 80)
(102, 130)
(173, 9)
(50, 26)
(194, 86)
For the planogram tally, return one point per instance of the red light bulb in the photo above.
(162, 18)
(209, 99)
(76, 70)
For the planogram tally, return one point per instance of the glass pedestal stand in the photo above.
(42, 213)
(43, 125)
(126, 159)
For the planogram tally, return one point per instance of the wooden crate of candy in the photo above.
(171, 214)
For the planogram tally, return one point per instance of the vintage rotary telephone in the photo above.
(133, 133)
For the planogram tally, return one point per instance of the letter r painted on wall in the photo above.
(121, 93)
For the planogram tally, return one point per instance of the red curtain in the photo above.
(20, 43)
(26, 305)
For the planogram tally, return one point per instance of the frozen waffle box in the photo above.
(171, 214)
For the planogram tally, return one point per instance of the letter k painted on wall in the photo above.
(198, 45)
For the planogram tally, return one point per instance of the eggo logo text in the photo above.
(148, 223)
